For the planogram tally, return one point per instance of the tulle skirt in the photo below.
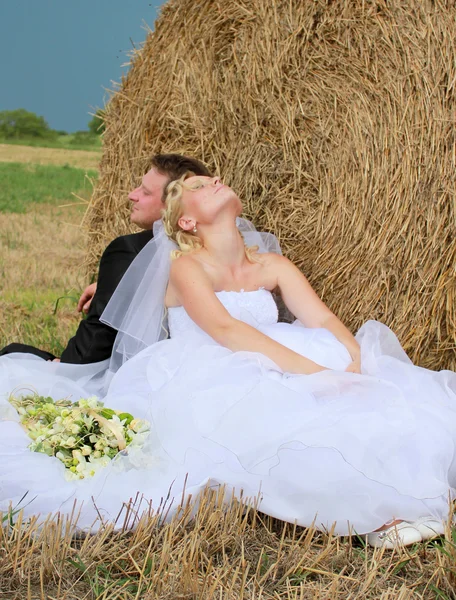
(334, 447)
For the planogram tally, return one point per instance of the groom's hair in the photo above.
(175, 166)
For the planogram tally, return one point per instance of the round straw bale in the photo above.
(335, 123)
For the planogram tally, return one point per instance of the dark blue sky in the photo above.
(57, 56)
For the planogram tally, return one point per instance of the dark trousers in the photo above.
(26, 349)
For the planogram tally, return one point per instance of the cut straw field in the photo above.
(41, 251)
(40, 258)
(213, 551)
(81, 159)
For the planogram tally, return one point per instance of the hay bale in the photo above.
(335, 122)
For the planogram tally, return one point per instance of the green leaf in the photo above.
(400, 565)
(78, 563)
(107, 413)
(149, 566)
(127, 417)
(439, 593)
(56, 306)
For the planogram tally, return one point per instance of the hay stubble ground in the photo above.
(218, 553)
(41, 250)
(46, 156)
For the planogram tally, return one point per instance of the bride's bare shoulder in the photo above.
(272, 259)
(189, 268)
(184, 263)
(185, 274)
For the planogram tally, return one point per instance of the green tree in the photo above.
(21, 123)
(97, 124)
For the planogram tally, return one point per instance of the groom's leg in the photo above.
(25, 348)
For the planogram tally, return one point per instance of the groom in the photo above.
(94, 340)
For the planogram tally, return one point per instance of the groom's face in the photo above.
(147, 199)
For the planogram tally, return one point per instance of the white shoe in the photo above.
(429, 527)
(402, 534)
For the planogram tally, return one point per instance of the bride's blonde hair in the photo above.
(188, 241)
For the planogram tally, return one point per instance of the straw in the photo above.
(335, 123)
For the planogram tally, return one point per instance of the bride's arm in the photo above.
(192, 288)
(303, 302)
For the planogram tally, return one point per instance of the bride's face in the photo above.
(204, 198)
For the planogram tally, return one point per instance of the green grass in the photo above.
(22, 184)
(40, 252)
(30, 299)
(39, 326)
(38, 295)
(66, 142)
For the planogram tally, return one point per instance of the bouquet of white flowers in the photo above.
(84, 435)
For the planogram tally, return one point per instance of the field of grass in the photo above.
(62, 142)
(53, 156)
(24, 185)
(41, 252)
(209, 552)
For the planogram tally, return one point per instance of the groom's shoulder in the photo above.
(133, 242)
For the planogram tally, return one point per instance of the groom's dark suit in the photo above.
(94, 340)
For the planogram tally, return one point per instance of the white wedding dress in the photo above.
(339, 447)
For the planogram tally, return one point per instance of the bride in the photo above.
(325, 427)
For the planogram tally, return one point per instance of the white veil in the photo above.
(137, 308)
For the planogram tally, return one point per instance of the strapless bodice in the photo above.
(256, 308)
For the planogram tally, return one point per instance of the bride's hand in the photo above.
(354, 367)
